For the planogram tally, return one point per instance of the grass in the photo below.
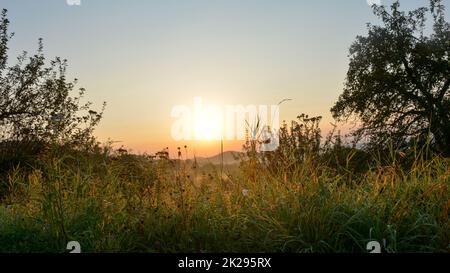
(127, 203)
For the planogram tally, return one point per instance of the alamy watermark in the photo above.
(231, 122)
(73, 2)
(374, 2)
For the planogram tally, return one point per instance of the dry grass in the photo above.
(138, 204)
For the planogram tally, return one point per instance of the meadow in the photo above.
(113, 201)
(388, 180)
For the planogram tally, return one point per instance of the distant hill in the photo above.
(229, 158)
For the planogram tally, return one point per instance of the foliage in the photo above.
(118, 203)
(36, 102)
(37, 109)
(398, 82)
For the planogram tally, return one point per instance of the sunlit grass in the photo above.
(136, 204)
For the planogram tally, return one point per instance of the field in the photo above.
(118, 202)
(377, 175)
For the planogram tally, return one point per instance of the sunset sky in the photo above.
(144, 57)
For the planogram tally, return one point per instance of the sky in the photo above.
(143, 57)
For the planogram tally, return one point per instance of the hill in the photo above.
(229, 158)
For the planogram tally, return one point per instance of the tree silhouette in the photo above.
(36, 101)
(398, 81)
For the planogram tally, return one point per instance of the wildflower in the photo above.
(245, 192)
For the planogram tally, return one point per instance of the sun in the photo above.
(208, 126)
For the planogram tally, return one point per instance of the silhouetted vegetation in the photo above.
(37, 107)
(398, 83)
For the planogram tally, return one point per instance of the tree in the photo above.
(398, 81)
(36, 102)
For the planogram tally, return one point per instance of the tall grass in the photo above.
(126, 203)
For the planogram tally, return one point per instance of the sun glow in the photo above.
(208, 126)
